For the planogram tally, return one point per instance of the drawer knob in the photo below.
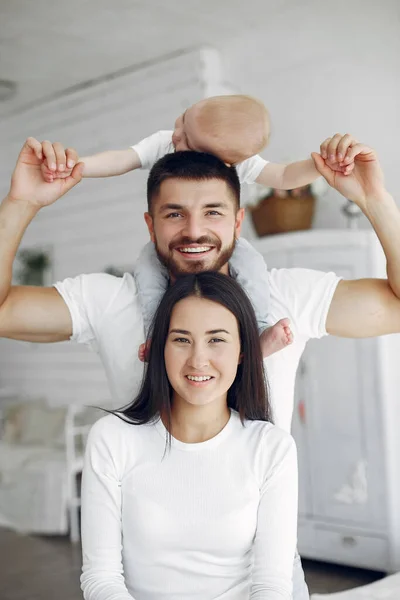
(349, 541)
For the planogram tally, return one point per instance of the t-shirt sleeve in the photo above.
(152, 148)
(303, 295)
(249, 169)
(87, 298)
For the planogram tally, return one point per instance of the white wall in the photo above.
(100, 222)
(330, 67)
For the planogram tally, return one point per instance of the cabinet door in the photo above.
(340, 428)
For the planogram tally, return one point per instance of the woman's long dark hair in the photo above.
(248, 394)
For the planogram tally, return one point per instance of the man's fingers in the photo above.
(344, 143)
(34, 145)
(74, 178)
(72, 157)
(333, 146)
(61, 158)
(49, 155)
(356, 150)
(324, 147)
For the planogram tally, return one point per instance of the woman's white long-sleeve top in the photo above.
(214, 520)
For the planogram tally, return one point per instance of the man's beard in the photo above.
(195, 266)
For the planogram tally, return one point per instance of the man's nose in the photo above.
(193, 228)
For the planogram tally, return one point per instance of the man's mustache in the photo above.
(204, 240)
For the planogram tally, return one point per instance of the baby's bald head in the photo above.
(231, 127)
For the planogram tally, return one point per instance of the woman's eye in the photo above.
(216, 340)
(182, 340)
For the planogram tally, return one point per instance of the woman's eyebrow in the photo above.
(214, 331)
(211, 332)
(180, 331)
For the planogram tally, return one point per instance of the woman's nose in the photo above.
(198, 359)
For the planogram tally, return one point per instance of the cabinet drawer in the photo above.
(306, 538)
(352, 549)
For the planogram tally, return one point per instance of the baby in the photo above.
(234, 128)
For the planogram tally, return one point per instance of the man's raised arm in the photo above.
(365, 307)
(31, 313)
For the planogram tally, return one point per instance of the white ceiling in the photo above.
(48, 46)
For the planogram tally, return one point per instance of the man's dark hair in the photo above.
(248, 394)
(189, 165)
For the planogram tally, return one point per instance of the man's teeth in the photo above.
(201, 378)
(194, 250)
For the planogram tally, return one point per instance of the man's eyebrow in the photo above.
(216, 205)
(171, 206)
(211, 332)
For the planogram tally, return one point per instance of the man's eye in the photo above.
(173, 215)
(213, 213)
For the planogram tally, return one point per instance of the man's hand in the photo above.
(335, 152)
(27, 182)
(365, 183)
(59, 162)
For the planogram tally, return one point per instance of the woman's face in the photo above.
(202, 351)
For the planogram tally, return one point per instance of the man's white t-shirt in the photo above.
(154, 147)
(106, 314)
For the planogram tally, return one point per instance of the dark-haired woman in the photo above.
(191, 492)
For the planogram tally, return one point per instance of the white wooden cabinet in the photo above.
(346, 418)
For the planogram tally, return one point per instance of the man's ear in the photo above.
(150, 226)
(238, 222)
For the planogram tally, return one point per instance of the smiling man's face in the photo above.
(194, 225)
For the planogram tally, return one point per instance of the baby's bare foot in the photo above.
(276, 338)
(144, 351)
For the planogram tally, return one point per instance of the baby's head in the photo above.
(231, 127)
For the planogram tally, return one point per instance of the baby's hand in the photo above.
(335, 152)
(59, 162)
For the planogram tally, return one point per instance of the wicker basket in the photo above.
(278, 215)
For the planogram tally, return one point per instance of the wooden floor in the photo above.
(48, 568)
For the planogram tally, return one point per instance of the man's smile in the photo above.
(194, 251)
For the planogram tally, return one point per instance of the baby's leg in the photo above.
(276, 338)
(143, 352)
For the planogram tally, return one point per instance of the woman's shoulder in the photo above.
(269, 437)
(116, 427)
(270, 447)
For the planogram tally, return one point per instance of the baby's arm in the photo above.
(288, 177)
(112, 162)
(250, 270)
(303, 172)
(103, 164)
